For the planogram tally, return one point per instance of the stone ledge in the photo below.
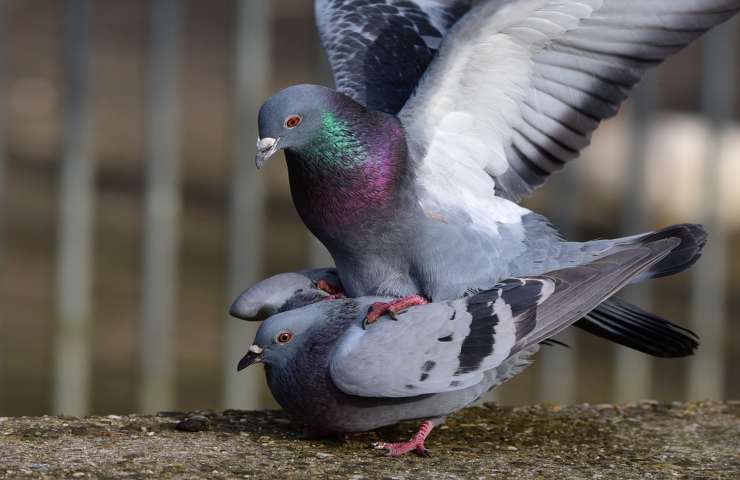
(645, 440)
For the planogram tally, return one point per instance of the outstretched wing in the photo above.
(518, 86)
(449, 346)
(379, 49)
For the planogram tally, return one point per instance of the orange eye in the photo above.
(284, 337)
(292, 121)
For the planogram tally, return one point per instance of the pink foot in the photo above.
(379, 309)
(416, 443)
(333, 291)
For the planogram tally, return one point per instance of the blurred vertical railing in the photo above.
(251, 74)
(632, 368)
(709, 293)
(3, 123)
(3, 167)
(73, 342)
(162, 210)
(557, 370)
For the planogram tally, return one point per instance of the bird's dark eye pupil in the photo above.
(293, 121)
(284, 337)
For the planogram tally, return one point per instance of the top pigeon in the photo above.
(421, 200)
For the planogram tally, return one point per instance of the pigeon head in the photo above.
(280, 335)
(293, 118)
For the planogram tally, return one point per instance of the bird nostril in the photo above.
(265, 144)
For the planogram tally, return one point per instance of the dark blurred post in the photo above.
(3, 162)
(633, 369)
(251, 75)
(162, 210)
(708, 295)
(72, 366)
(3, 124)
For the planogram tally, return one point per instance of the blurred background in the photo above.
(131, 213)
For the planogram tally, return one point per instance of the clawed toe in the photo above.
(392, 309)
(416, 444)
(327, 287)
(397, 449)
(422, 451)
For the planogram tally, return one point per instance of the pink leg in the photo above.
(379, 309)
(333, 291)
(416, 443)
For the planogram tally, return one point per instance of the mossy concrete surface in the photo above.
(644, 440)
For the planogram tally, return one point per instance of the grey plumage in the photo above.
(422, 200)
(329, 372)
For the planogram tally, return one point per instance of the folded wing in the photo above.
(449, 346)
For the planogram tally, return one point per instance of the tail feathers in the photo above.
(693, 238)
(629, 325)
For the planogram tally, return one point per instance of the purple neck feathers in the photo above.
(349, 173)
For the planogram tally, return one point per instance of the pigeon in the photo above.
(334, 373)
(445, 116)
(614, 319)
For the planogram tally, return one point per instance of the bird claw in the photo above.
(423, 451)
(416, 444)
(327, 287)
(392, 309)
(397, 449)
(386, 447)
(376, 310)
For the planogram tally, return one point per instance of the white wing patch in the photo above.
(518, 86)
(461, 121)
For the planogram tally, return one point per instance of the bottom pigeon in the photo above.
(335, 376)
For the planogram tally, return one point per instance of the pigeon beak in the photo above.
(254, 355)
(266, 147)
